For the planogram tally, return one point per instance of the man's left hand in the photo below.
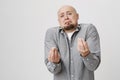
(83, 47)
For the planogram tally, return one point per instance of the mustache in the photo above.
(67, 22)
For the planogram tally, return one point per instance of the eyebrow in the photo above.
(63, 12)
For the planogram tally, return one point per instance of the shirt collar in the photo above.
(77, 29)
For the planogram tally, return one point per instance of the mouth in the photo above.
(68, 23)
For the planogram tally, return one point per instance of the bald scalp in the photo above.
(67, 6)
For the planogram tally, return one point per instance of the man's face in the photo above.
(67, 17)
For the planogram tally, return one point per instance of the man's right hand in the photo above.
(54, 56)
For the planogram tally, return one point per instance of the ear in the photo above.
(77, 16)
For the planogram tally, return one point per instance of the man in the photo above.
(72, 50)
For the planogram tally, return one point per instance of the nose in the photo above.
(66, 17)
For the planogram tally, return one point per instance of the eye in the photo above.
(69, 13)
(61, 16)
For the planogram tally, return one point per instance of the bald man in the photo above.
(72, 50)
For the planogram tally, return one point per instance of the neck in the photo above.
(69, 31)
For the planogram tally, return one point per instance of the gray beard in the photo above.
(70, 27)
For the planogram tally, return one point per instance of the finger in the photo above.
(83, 43)
(52, 56)
(86, 45)
(56, 53)
(57, 56)
(80, 43)
(54, 49)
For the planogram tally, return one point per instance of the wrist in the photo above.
(58, 62)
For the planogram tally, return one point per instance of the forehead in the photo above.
(66, 9)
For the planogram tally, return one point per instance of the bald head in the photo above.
(68, 17)
(65, 7)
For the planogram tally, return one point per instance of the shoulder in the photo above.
(52, 30)
(88, 26)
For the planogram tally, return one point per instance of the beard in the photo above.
(69, 27)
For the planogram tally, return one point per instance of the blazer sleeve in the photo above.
(92, 60)
(48, 44)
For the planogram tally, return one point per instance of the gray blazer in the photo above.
(72, 65)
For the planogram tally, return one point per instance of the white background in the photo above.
(23, 24)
